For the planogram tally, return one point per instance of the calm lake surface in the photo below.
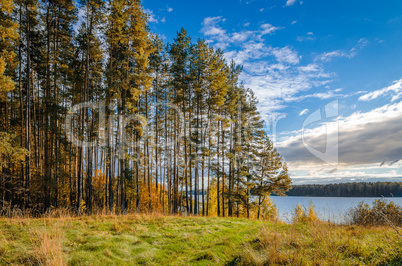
(327, 208)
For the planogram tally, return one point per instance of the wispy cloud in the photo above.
(326, 57)
(251, 41)
(151, 16)
(210, 26)
(269, 29)
(290, 2)
(319, 95)
(395, 90)
(305, 111)
(276, 85)
(273, 73)
(310, 68)
(212, 29)
(308, 37)
(286, 55)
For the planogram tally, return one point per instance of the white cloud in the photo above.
(241, 36)
(310, 68)
(326, 57)
(169, 9)
(222, 39)
(305, 111)
(151, 16)
(262, 9)
(286, 55)
(275, 84)
(294, 22)
(273, 73)
(308, 37)
(163, 20)
(347, 175)
(319, 95)
(364, 138)
(211, 20)
(290, 2)
(395, 89)
(249, 50)
(360, 45)
(211, 28)
(269, 29)
(214, 31)
(81, 17)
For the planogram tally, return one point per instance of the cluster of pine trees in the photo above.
(354, 189)
(169, 129)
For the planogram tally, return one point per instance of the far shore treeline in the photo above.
(353, 189)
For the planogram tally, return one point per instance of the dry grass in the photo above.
(154, 239)
(48, 244)
(323, 244)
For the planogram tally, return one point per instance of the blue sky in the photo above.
(300, 56)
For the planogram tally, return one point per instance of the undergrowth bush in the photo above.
(381, 213)
(303, 215)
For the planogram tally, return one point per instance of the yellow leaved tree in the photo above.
(10, 152)
(8, 35)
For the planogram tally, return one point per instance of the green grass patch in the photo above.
(165, 240)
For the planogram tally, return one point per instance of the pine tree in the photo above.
(89, 73)
(200, 59)
(271, 173)
(9, 36)
(181, 95)
(160, 67)
(129, 75)
(10, 150)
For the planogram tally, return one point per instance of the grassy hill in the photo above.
(162, 240)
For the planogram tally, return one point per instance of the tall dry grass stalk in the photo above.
(318, 243)
(7, 210)
(48, 243)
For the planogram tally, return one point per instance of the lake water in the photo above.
(327, 208)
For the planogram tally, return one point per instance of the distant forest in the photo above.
(356, 189)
